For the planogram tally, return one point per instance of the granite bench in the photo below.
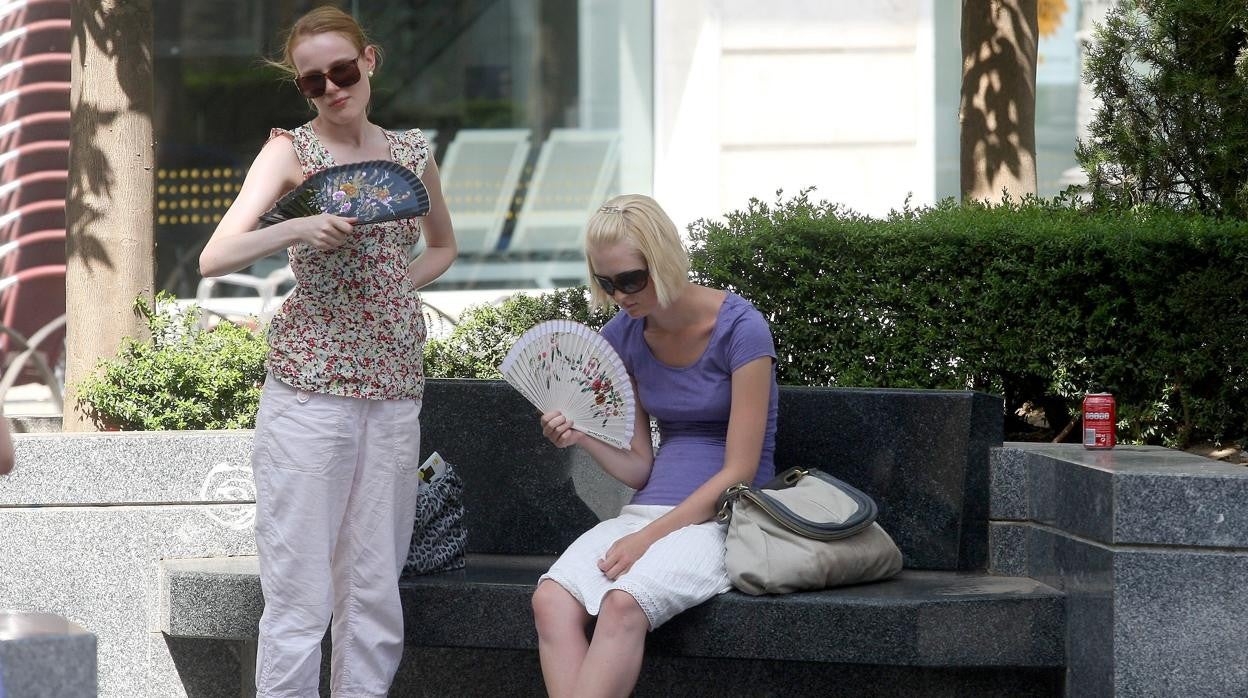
(944, 626)
(42, 654)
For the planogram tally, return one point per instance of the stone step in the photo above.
(920, 618)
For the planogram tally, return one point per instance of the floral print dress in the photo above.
(353, 326)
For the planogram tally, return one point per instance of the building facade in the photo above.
(540, 109)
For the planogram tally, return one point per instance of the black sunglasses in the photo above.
(343, 74)
(625, 282)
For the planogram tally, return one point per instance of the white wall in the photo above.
(755, 96)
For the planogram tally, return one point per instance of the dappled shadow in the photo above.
(88, 174)
(92, 182)
(998, 101)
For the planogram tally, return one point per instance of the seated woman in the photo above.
(702, 362)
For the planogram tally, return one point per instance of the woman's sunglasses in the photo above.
(625, 282)
(343, 74)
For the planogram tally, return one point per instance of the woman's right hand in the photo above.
(323, 231)
(558, 429)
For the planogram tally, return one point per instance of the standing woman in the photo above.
(337, 435)
(702, 362)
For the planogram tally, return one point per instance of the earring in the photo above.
(370, 73)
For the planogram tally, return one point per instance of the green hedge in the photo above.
(1039, 302)
(181, 377)
(477, 345)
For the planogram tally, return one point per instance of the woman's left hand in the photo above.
(623, 553)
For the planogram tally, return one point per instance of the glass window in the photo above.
(538, 109)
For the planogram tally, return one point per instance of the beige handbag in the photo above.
(803, 530)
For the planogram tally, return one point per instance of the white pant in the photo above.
(335, 500)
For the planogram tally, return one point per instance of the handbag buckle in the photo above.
(791, 477)
(727, 498)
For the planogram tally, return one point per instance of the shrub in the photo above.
(485, 333)
(184, 377)
(1172, 128)
(1037, 301)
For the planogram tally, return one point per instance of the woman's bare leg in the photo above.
(561, 640)
(613, 663)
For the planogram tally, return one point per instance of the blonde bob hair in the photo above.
(322, 20)
(639, 222)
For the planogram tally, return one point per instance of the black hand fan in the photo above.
(374, 191)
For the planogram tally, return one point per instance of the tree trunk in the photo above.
(998, 106)
(112, 159)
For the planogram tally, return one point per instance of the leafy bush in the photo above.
(184, 377)
(1172, 128)
(1037, 301)
(485, 333)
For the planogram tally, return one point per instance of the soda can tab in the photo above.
(1100, 420)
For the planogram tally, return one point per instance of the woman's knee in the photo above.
(620, 612)
(553, 605)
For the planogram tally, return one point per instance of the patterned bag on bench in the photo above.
(802, 531)
(439, 539)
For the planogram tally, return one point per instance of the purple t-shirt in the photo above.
(691, 404)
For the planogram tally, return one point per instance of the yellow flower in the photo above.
(349, 189)
(1049, 16)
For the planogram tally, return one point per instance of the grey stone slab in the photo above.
(923, 455)
(431, 672)
(1085, 572)
(203, 586)
(99, 567)
(984, 433)
(1008, 549)
(1072, 498)
(1148, 621)
(921, 618)
(1128, 459)
(202, 668)
(129, 468)
(1008, 488)
(520, 494)
(45, 656)
(1130, 495)
(1180, 620)
(1193, 504)
(35, 424)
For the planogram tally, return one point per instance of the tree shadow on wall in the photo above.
(999, 66)
(121, 29)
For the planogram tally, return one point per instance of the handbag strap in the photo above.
(863, 517)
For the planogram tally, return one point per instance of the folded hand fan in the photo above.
(563, 365)
(374, 191)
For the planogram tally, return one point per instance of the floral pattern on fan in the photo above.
(564, 365)
(588, 374)
(374, 191)
(359, 197)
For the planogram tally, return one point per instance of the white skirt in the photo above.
(679, 571)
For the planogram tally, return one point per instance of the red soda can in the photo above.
(1100, 417)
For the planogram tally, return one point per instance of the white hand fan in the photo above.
(563, 365)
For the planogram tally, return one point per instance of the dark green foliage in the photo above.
(485, 333)
(1038, 301)
(183, 378)
(1172, 129)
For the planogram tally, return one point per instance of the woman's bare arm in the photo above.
(440, 247)
(747, 426)
(237, 243)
